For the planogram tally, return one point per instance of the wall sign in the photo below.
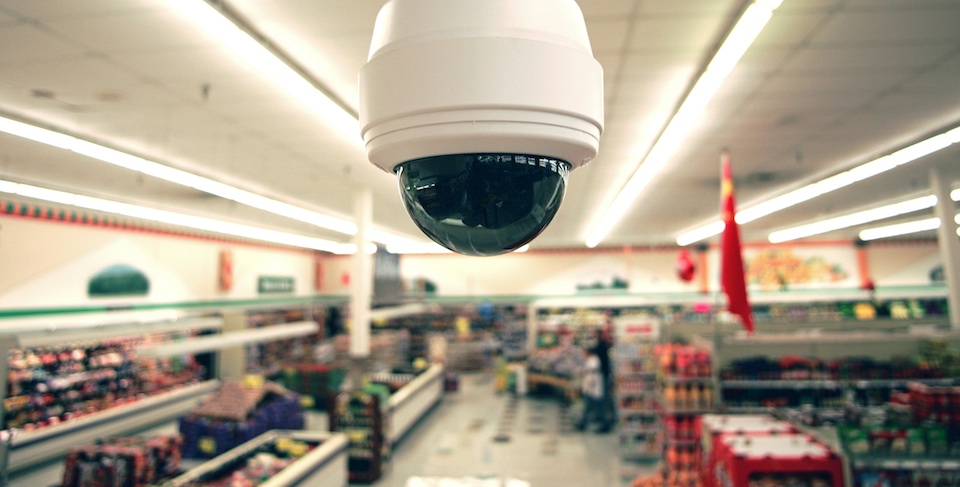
(118, 280)
(275, 285)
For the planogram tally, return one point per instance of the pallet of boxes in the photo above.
(238, 412)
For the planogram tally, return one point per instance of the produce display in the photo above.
(237, 413)
(123, 462)
(258, 466)
(50, 385)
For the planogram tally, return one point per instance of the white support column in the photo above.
(361, 279)
(949, 244)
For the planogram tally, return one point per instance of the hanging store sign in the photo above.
(118, 280)
(275, 285)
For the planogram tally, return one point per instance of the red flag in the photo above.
(731, 270)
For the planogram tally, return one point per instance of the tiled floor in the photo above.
(460, 439)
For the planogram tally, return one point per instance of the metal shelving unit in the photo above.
(635, 376)
(23, 449)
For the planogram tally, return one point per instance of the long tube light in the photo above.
(264, 61)
(907, 228)
(900, 229)
(172, 218)
(746, 30)
(184, 178)
(866, 170)
(853, 219)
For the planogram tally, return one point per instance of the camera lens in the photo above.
(482, 204)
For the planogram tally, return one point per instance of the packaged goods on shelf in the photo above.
(636, 389)
(237, 413)
(563, 362)
(934, 404)
(49, 385)
(362, 417)
(389, 349)
(268, 358)
(317, 384)
(126, 462)
(683, 361)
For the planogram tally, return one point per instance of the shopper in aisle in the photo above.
(591, 392)
(601, 349)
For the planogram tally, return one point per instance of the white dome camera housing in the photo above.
(481, 108)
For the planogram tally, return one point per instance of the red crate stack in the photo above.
(775, 460)
(715, 427)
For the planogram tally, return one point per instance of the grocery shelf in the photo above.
(686, 380)
(672, 411)
(905, 463)
(635, 393)
(28, 448)
(830, 384)
(638, 412)
(210, 343)
(633, 374)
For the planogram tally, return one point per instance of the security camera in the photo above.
(481, 108)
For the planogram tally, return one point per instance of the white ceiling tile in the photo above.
(687, 8)
(26, 43)
(608, 34)
(57, 9)
(828, 83)
(130, 32)
(675, 33)
(899, 24)
(593, 9)
(864, 59)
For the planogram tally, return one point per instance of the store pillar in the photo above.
(361, 286)
(949, 244)
(232, 361)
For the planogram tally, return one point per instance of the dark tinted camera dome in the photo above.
(482, 204)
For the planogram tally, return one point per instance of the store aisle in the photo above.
(462, 438)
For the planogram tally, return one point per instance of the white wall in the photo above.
(811, 265)
(49, 264)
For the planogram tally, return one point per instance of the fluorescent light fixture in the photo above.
(172, 218)
(866, 170)
(846, 221)
(900, 229)
(183, 178)
(701, 233)
(746, 30)
(264, 61)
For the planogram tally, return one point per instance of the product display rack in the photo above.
(637, 397)
(323, 466)
(25, 448)
(360, 416)
(824, 390)
(72, 352)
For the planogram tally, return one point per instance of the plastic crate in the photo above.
(715, 427)
(746, 460)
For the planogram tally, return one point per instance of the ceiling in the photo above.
(828, 85)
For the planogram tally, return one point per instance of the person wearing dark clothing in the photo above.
(602, 350)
